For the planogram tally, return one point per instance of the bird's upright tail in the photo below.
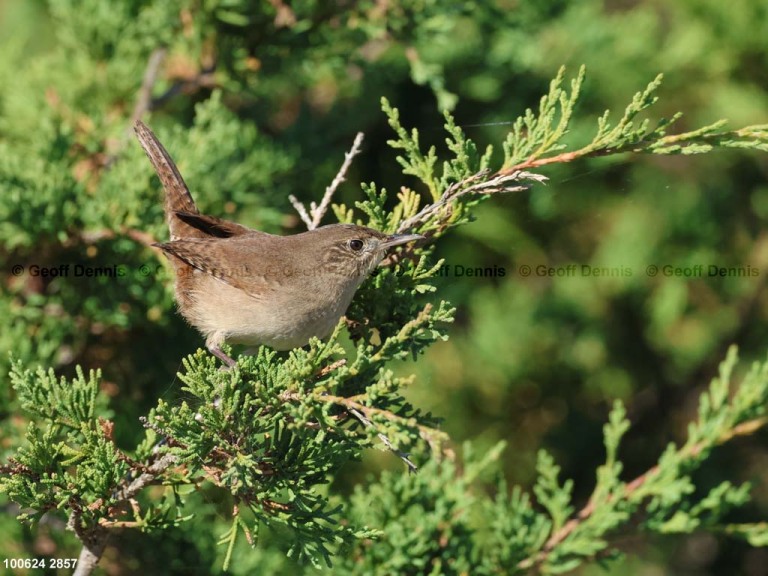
(177, 196)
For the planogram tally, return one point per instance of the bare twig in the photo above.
(143, 104)
(90, 554)
(498, 183)
(316, 213)
(144, 101)
(146, 478)
(435, 438)
(331, 367)
(89, 237)
(356, 409)
(402, 455)
(301, 210)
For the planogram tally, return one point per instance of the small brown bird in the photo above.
(242, 286)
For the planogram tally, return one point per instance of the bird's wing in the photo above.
(226, 261)
(214, 227)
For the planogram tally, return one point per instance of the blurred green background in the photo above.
(259, 100)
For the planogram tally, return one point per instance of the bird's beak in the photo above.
(398, 239)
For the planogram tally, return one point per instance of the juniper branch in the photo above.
(630, 489)
(94, 537)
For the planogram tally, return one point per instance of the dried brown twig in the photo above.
(498, 183)
(316, 212)
(144, 100)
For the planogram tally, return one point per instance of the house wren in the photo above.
(243, 286)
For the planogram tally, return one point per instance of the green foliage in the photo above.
(66, 403)
(272, 431)
(506, 532)
(427, 519)
(264, 456)
(534, 137)
(72, 462)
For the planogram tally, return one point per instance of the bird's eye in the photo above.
(356, 245)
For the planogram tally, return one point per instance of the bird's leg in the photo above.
(214, 346)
